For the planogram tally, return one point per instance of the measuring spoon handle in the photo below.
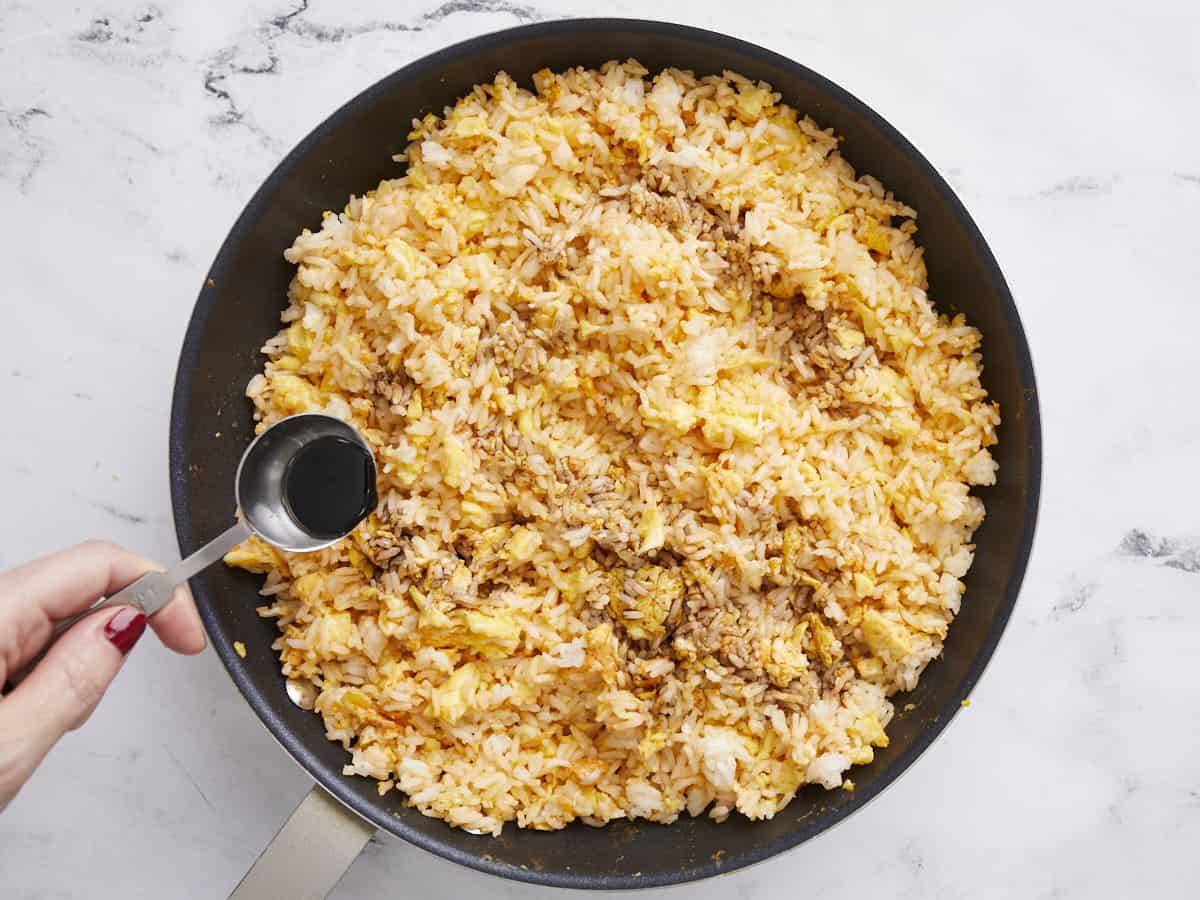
(212, 552)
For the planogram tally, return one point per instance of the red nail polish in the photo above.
(124, 629)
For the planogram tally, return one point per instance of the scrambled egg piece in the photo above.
(338, 628)
(470, 126)
(496, 636)
(675, 417)
(602, 651)
(826, 643)
(793, 542)
(860, 756)
(850, 338)
(431, 617)
(253, 554)
(359, 560)
(884, 636)
(654, 741)
(795, 557)
(652, 590)
(864, 585)
(652, 528)
(723, 429)
(306, 586)
(876, 237)
(288, 363)
(415, 408)
(456, 465)
(869, 666)
(871, 731)
(299, 341)
(523, 544)
(928, 620)
(407, 260)
(786, 660)
(454, 696)
(460, 580)
(295, 394)
(751, 101)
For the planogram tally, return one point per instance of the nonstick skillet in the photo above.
(238, 309)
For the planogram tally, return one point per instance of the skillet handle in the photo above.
(309, 854)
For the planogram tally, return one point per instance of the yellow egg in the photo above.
(641, 601)
(826, 643)
(861, 756)
(523, 544)
(871, 731)
(299, 340)
(864, 585)
(306, 586)
(470, 126)
(460, 580)
(651, 528)
(849, 338)
(676, 417)
(884, 636)
(253, 554)
(456, 465)
(501, 633)
(453, 697)
(338, 628)
(786, 660)
(525, 422)
(360, 562)
(751, 101)
(875, 237)
(869, 666)
(295, 394)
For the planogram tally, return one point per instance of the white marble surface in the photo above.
(132, 134)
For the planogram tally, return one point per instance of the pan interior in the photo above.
(238, 309)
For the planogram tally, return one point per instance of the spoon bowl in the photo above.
(260, 486)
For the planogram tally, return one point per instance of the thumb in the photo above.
(61, 692)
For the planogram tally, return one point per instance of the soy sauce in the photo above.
(329, 486)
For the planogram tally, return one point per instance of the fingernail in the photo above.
(124, 629)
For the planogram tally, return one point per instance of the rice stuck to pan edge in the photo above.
(675, 457)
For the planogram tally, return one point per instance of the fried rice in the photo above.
(674, 457)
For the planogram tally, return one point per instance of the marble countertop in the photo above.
(131, 134)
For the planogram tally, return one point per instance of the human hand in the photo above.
(60, 693)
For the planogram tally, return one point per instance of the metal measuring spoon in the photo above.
(261, 490)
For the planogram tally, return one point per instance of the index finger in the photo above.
(69, 581)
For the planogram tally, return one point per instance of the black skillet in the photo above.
(238, 309)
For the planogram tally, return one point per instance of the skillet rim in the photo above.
(480, 860)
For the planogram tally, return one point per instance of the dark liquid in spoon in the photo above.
(329, 486)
